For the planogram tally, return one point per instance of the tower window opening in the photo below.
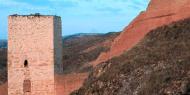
(25, 63)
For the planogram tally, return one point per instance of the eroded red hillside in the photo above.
(158, 13)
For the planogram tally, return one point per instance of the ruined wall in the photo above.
(31, 40)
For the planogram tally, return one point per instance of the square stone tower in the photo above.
(34, 54)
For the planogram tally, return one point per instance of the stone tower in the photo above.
(34, 54)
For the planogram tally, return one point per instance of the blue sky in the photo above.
(78, 16)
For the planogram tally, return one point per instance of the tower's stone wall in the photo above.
(58, 44)
(32, 54)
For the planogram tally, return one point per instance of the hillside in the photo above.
(3, 69)
(78, 51)
(158, 65)
(158, 13)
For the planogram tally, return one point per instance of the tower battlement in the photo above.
(34, 15)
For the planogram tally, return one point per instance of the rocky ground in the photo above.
(158, 65)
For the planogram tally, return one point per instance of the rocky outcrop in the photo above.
(158, 13)
(155, 5)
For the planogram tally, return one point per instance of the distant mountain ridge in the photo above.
(81, 35)
(3, 43)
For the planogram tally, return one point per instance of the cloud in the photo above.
(64, 3)
(13, 4)
(95, 7)
(109, 10)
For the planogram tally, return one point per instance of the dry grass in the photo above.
(158, 65)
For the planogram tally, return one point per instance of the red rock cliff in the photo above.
(158, 13)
